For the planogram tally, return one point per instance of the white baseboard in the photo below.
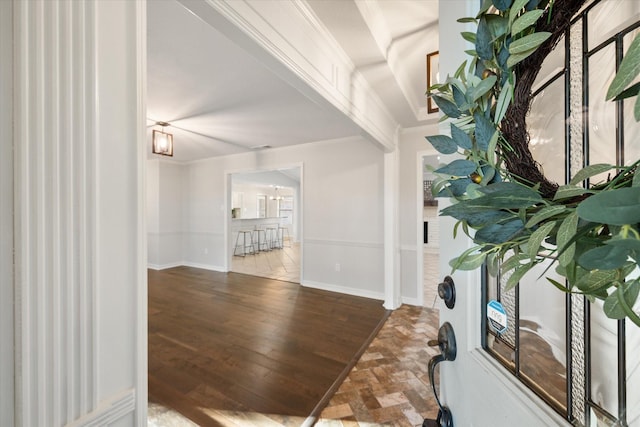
(410, 301)
(186, 264)
(343, 290)
(163, 266)
(205, 266)
(109, 410)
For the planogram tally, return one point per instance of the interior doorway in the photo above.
(430, 232)
(265, 224)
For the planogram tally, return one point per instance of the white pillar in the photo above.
(80, 282)
(392, 299)
(6, 216)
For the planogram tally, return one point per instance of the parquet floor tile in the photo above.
(390, 383)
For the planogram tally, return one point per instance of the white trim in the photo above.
(343, 289)
(329, 77)
(142, 322)
(110, 410)
(419, 248)
(412, 301)
(203, 266)
(392, 291)
(344, 243)
(210, 267)
(7, 320)
(228, 252)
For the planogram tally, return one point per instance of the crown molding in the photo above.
(290, 40)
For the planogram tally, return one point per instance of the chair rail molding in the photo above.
(293, 43)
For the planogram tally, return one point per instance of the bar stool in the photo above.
(244, 245)
(281, 233)
(260, 238)
(272, 235)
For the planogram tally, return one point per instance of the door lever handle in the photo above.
(448, 352)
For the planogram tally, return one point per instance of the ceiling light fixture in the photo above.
(277, 196)
(162, 141)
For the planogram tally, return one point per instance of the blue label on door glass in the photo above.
(497, 316)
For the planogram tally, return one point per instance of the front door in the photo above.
(560, 361)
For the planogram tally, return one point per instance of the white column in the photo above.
(6, 216)
(79, 212)
(392, 298)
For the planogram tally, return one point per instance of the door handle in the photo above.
(448, 351)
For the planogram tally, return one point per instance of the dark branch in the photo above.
(520, 161)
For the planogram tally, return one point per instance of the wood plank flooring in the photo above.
(228, 345)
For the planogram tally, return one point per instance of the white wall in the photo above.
(165, 213)
(412, 146)
(342, 211)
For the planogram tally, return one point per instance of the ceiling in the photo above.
(220, 100)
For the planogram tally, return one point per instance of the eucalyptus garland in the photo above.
(516, 217)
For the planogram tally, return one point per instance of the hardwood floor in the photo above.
(226, 346)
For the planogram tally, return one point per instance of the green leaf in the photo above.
(499, 233)
(518, 57)
(469, 36)
(614, 207)
(443, 144)
(590, 171)
(569, 191)
(596, 280)
(525, 21)
(491, 154)
(527, 43)
(504, 100)
(636, 177)
(545, 213)
(628, 70)
(484, 131)
(459, 167)
(518, 5)
(481, 89)
(446, 106)
(502, 5)
(629, 291)
(486, 4)
(469, 260)
(484, 46)
(628, 243)
(566, 231)
(492, 264)
(461, 138)
(537, 237)
(507, 195)
(632, 90)
(606, 257)
(459, 98)
(466, 20)
(475, 217)
(517, 274)
(558, 285)
(513, 262)
(498, 25)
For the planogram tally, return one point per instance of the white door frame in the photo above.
(228, 237)
(7, 402)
